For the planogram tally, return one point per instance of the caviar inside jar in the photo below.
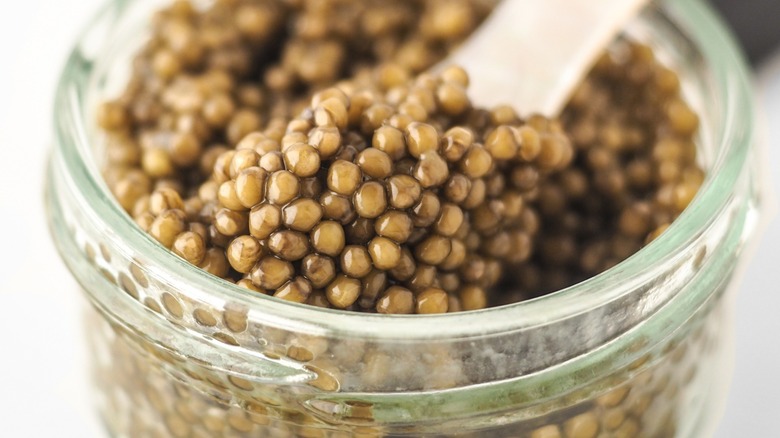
(386, 191)
(279, 148)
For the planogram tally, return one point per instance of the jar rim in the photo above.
(715, 45)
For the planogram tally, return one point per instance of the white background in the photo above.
(43, 383)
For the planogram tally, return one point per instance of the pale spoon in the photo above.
(531, 54)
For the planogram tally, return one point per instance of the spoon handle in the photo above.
(532, 53)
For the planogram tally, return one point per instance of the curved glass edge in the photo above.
(729, 73)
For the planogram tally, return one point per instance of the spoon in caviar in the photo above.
(532, 53)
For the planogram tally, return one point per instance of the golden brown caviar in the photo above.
(355, 261)
(343, 291)
(243, 253)
(634, 173)
(387, 192)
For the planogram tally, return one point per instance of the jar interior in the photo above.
(571, 321)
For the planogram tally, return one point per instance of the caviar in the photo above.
(278, 147)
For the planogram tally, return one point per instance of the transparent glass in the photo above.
(640, 350)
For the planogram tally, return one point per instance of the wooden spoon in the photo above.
(531, 54)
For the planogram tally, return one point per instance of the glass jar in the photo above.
(640, 350)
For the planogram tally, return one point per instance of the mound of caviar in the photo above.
(395, 199)
(278, 145)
